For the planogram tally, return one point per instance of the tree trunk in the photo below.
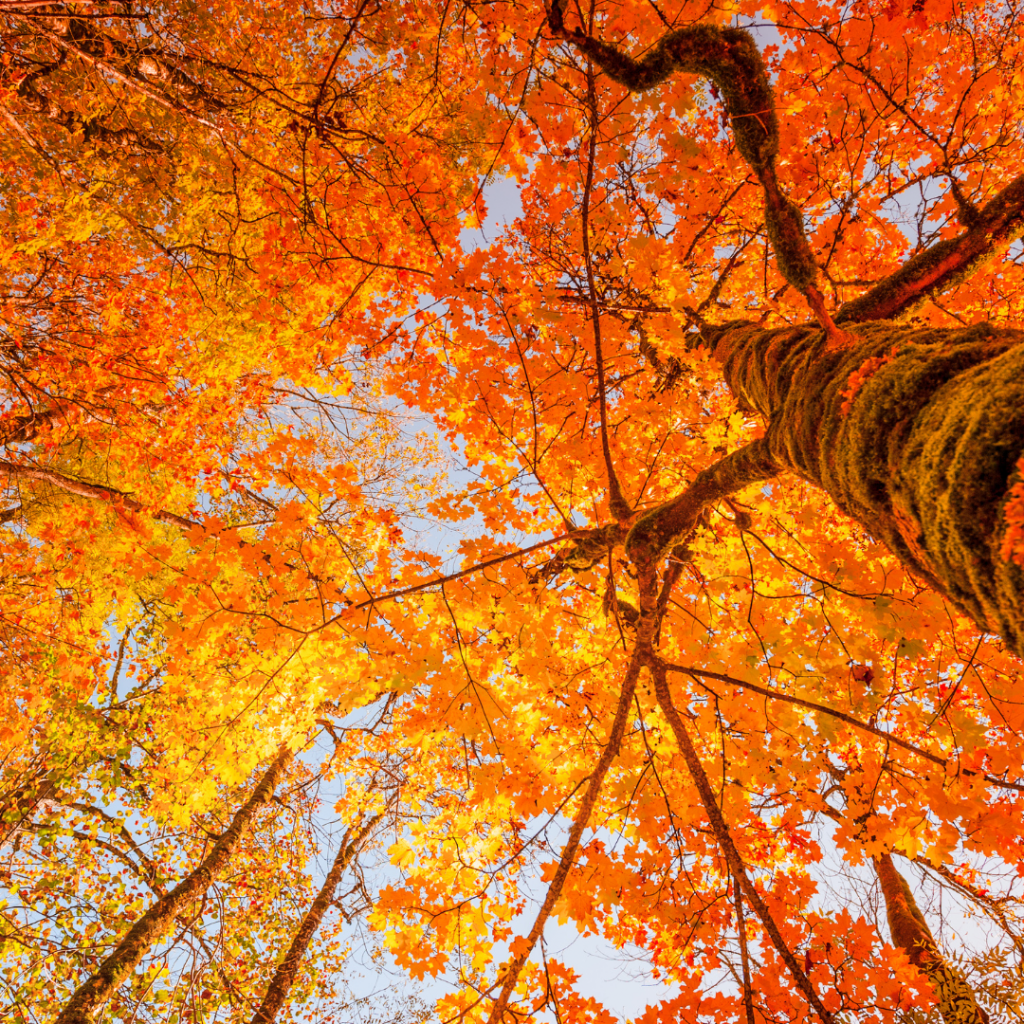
(916, 433)
(284, 976)
(116, 969)
(910, 932)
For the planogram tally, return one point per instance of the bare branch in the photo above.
(617, 502)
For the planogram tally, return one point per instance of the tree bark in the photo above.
(723, 836)
(96, 990)
(910, 932)
(284, 977)
(998, 223)
(917, 434)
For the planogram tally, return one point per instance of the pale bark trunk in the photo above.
(118, 967)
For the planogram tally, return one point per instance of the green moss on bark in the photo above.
(728, 57)
(924, 454)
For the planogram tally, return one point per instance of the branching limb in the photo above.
(725, 841)
(999, 222)
(728, 57)
(670, 523)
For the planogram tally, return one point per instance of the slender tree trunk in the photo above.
(726, 844)
(910, 932)
(95, 991)
(284, 976)
(917, 434)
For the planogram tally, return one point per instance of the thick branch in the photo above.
(662, 528)
(93, 130)
(136, 82)
(17, 807)
(945, 264)
(85, 489)
(147, 65)
(116, 969)
(22, 429)
(728, 57)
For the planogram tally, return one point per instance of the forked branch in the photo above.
(663, 527)
(729, 57)
(725, 841)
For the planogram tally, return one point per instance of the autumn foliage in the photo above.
(647, 558)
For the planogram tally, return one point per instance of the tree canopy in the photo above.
(661, 547)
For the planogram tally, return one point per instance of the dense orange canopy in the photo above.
(509, 531)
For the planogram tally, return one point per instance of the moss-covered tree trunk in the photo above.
(910, 932)
(917, 434)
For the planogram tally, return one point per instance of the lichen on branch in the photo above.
(667, 525)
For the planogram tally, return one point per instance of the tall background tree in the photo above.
(726, 430)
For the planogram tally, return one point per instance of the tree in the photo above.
(739, 409)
